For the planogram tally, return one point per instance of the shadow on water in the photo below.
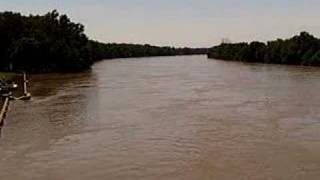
(44, 85)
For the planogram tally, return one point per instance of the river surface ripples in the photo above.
(179, 118)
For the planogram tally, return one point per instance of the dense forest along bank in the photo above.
(303, 49)
(180, 118)
(54, 43)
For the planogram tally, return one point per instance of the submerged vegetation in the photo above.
(53, 43)
(303, 49)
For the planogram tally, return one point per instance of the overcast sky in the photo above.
(196, 23)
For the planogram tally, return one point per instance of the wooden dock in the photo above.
(4, 110)
(6, 99)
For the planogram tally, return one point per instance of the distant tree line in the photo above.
(100, 51)
(53, 43)
(303, 49)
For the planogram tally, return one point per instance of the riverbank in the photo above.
(303, 49)
(28, 45)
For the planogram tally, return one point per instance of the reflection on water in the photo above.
(167, 118)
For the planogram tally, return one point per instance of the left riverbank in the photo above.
(53, 43)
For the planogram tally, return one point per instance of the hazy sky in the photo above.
(182, 22)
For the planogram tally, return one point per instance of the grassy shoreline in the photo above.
(7, 76)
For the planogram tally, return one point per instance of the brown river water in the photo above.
(167, 118)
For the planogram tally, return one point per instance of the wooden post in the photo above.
(25, 84)
(27, 95)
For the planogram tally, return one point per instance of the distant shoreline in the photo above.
(303, 49)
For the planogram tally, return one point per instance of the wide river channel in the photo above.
(166, 118)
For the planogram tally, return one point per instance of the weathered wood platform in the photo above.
(4, 110)
(6, 100)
